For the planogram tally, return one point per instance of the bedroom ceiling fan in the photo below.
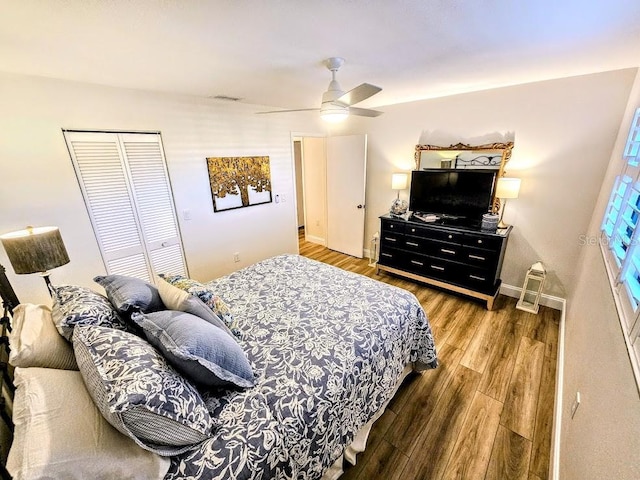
(336, 104)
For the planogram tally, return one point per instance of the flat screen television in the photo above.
(461, 196)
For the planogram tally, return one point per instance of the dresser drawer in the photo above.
(434, 234)
(482, 241)
(391, 239)
(477, 278)
(394, 226)
(444, 250)
(479, 257)
(392, 257)
(432, 267)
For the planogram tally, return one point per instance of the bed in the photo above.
(327, 350)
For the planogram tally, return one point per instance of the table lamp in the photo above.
(506, 188)
(399, 182)
(35, 250)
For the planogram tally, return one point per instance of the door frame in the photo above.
(294, 137)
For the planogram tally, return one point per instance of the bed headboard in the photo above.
(9, 302)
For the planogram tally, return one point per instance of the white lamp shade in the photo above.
(399, 181)
(508, 187)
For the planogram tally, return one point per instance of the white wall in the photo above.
(564, 133)
(39, 186)
(603, 439)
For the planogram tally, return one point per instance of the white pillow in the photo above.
(35, 341)
(60, 433)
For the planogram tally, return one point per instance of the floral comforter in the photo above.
(327, 347)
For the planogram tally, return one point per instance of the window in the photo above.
(620, 243)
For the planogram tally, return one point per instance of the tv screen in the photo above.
(461, 195)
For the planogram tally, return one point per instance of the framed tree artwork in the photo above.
(238, 182)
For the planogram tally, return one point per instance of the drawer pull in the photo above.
(476, 257)
(479, 240)
(412, 244)
(390, 239)
(450, 236)
(450, 252)
(390, 226)
(413, 230)
(386, 254)
(415, 262)
(475, 277)
(436, 267)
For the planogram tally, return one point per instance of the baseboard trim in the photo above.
(318, 240)
(554, 464)
(557, 303)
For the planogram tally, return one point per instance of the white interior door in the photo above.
(346, 177)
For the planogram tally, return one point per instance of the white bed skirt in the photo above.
(360, 441)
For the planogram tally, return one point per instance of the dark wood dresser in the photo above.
(463, 260)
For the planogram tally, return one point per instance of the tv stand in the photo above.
(459, 259)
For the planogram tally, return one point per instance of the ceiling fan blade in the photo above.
(358, 94)
(364, 112)
(287, 111)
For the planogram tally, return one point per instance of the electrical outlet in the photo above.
(236, 257)
(576, 404)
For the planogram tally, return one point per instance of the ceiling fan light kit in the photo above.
(336, 104)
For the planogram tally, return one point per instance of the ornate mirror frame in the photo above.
(481, 161)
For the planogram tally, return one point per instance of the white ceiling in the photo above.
(270, 52)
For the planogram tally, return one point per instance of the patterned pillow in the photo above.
(74, 305)
(207, 295)
(202, 352)
(138, 393)
(129, 293)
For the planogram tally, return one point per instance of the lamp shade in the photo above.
(507, 187)
(399, 181)
(35, 250)
(333, 113)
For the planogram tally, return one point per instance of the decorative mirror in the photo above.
(463, 156)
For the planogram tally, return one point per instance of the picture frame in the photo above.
(238, 182)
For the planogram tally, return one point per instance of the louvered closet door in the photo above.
(124, 181)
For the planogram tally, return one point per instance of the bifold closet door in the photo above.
(124, 181)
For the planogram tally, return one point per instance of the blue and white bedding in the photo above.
(327, 348)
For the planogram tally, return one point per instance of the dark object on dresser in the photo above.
(460, 259)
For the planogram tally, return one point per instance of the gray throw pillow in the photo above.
(206, 354)
(177, 299)
(138, 393)
(129, 294)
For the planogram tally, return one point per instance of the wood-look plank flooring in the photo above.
(486, 412)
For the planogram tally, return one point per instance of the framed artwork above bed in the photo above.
(238, 182)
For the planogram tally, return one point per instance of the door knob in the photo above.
(360, 206)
